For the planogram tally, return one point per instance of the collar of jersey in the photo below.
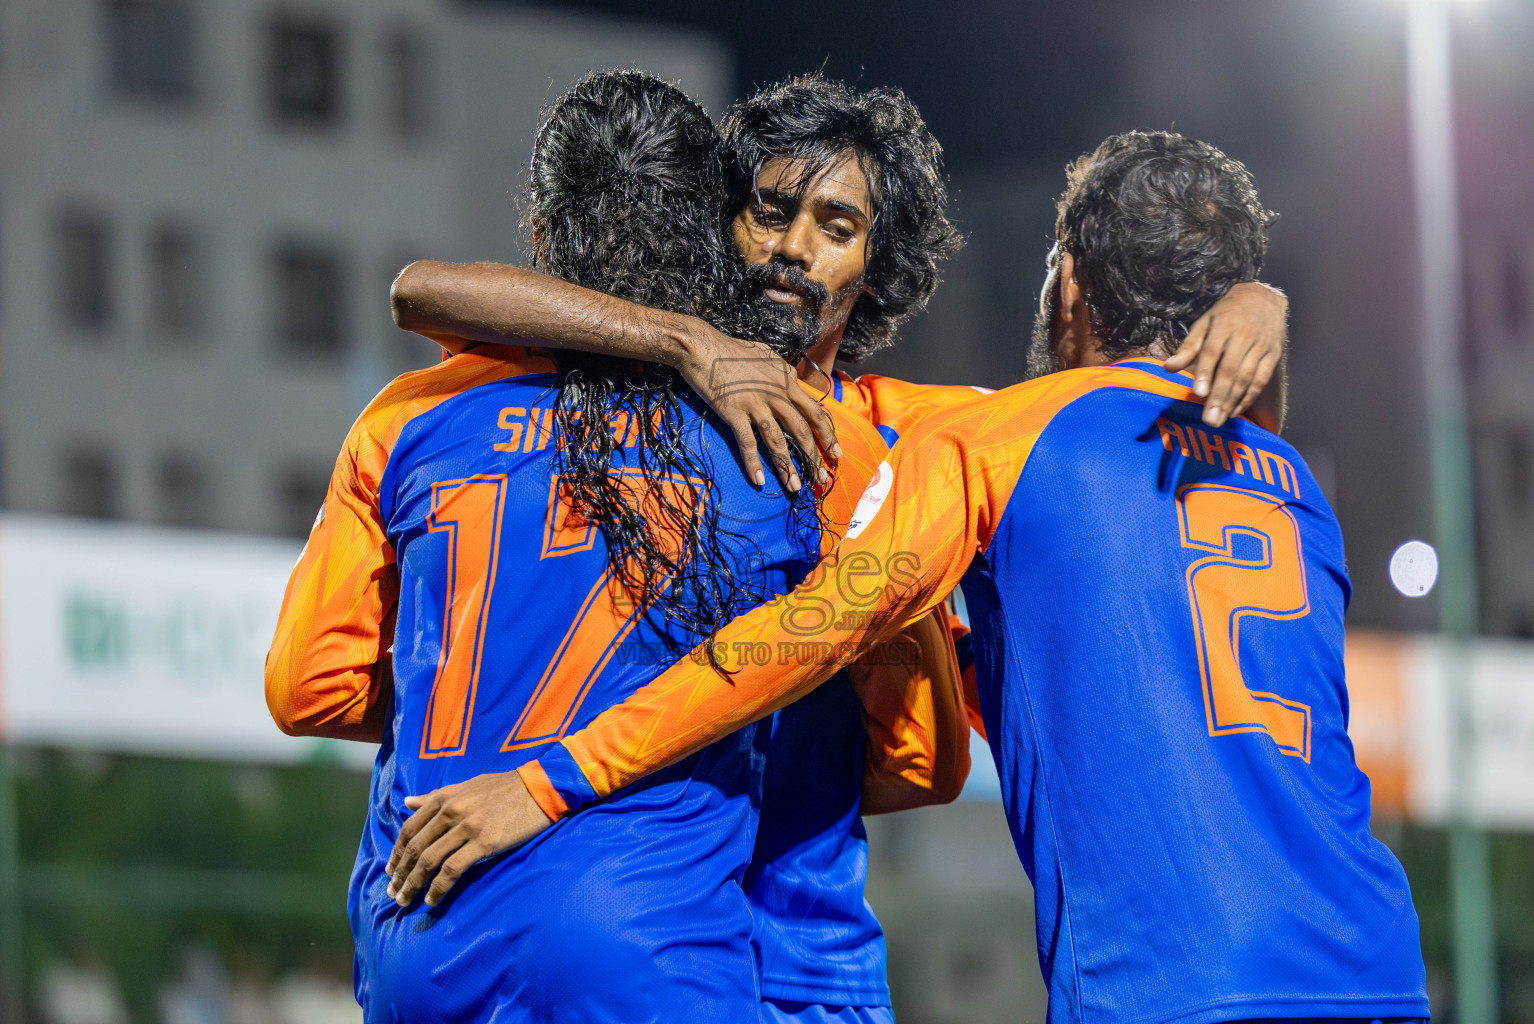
(837, 377)
(1155, 369)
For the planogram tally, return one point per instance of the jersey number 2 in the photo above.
(1265, 579)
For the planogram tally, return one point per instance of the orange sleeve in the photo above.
(327, 670)
(957, 632)
(913, 707)
(918, 730)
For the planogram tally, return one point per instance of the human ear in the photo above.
(1070, 291)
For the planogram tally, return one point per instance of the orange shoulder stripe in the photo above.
(419, 391)
(901, 405)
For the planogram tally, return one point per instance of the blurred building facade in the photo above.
(202, 204)
(1313, 96)
(1496, 143)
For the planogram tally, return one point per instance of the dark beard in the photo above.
(785, 324)
(1043, 356)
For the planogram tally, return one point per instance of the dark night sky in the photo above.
(998, 82)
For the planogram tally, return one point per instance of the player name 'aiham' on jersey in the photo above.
(1216, 449)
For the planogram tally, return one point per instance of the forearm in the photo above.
(692, 705)
(500, 304)
(356, 714)
(913, 708)
(746, 383)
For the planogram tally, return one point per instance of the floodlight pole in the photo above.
(1430, 87)
(11, 973)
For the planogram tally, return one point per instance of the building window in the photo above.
(304, 73)
(149, 49)
(300, 494)
(176, 260)
(311, 300)
(183, 496)
(85, 271)
(90, 482)
(408, 93)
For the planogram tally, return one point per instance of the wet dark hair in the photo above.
(1159, 227)
(626, 197)
(815, 120)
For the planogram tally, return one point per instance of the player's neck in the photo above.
(819, 361)
(816, 367)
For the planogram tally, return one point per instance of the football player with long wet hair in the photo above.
(511, 544)
(626, 196)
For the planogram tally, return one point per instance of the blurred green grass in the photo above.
(136, 858)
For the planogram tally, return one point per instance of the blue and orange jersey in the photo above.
(893, 405)
(449, 599)
(1157, 610)
(890, 733)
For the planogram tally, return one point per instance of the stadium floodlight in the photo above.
(11, 976)
(1414, 568)
(1430, 100)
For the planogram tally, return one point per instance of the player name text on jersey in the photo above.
(1218, 448)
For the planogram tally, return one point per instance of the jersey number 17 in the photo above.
(470, 511)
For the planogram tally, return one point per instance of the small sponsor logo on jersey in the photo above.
(872, 500)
